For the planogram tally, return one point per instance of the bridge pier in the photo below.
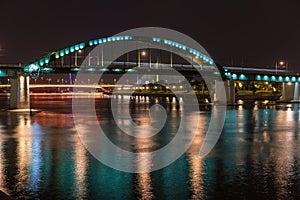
(288, 90)
(296, 92)
(19, 93)
(229, 90)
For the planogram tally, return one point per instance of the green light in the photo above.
(280, 79)
(56, 55)
(77, 47)
(293, 79)
(91, 43)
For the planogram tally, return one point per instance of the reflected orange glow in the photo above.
(196, 163)
(24, 149)
(144, 183)
(53, 119)
(2, 167)
(81, 163)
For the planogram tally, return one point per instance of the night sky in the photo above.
(252, 33)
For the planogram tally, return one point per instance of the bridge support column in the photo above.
(230, 91)
(296, 92)
(220, 94)
(287, 91)
(19, 93)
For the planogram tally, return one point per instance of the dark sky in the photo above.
(253, 33)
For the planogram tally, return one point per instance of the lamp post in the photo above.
(281, 64)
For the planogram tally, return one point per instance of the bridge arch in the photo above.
(43, 63)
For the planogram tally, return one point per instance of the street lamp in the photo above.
(281, 65)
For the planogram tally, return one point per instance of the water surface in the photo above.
(256, 157)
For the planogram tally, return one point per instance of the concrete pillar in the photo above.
(230, 91)
(296, 92)
(19, 93)
(287, 91)
(220, 92)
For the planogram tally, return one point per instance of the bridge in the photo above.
(78, 57)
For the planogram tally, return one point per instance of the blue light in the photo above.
(62, 53)
(91, 43)
(273, 78)
(287, 79)
(2, 74)
(243, 77)
(266, 78)
(91, 69)
(280, 79)
(67, 51)
(100, 41)
(258, 78)
(293, 79)
(42, 62)
(72, 48)
(95, 42)
(47, 69)
(77, 47)
(234, 76)
(81, 45)
(104, 69)
(75, 69)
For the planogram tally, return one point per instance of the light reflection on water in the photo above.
(257, 156)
